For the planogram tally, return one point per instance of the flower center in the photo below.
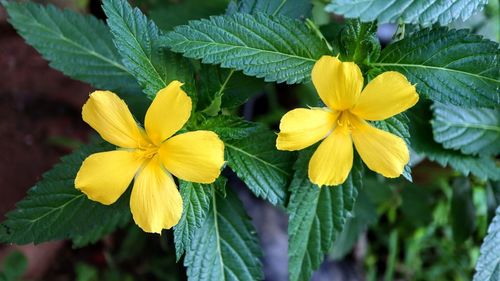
(148, 152)
(344, 121)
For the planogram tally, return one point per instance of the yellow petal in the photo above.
(388, 94)
(155, 201)
(194, 156)
(300, 128)
(104, 176)
(110, 117)
(168, 112)
(381, 151)
(338, 83)
(332, 161)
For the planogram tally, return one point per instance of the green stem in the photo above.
(214, 108)
(315, 28)
(393, 251)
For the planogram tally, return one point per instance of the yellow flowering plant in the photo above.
(342, 122)
(150, 156)
(202, 144)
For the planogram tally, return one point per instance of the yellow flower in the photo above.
(342, 122)
(150, 156)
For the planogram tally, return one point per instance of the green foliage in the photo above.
(196, 200)
(289, 8)
(317, 215)
(364, 214)
(264, 169)
(137, 40)
(422, 12)
(229, 127)
(225, 247)
(240, 89)
(416, 205)
(14, 266)
(448, 66)
(79, 46)
(125, 259)
(462, 210)
(92, 235)
(426, 248)
(211, 88)
(168, 14)
(54, 209)
(251, 153)
(488, 265)
(268, 39)
(86, 272)
(358, 42)
(470, 130)
(422, 142)
(277, 48)
(222, 88)
(397, 125)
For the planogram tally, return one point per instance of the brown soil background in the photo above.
(38, 106)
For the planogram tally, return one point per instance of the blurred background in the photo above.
(429, 230)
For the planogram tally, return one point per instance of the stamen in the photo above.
(344, 121)
(349, 124)
(149, 152)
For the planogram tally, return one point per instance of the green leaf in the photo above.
(493, 191)
(289, 8)
(196, 199)
(229, 127)
(448, 66)
(317, 215)
(77, 45)
(416, 205)
(241, 88)
(488, 264)
(422, 142)
(85, 272)
(14, 266)
(251, 153)
(211, 87)
(364, 214)
(358, 42)
(462, 212)
(54, 209)
(168, 14)
(265, 170)
(93, 235)
(470, 130)
(275, 48)
(225, 247)
(222, 88)
(137, 40)
(421, 12)
(398, 125)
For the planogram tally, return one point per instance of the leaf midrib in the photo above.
(216, 225)
(471, 125)
(208, 43)
(278, 9)
(258, 159)
(76, 44)
(309, 232)
(56, 209)
(147, 58)
(436, 68)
